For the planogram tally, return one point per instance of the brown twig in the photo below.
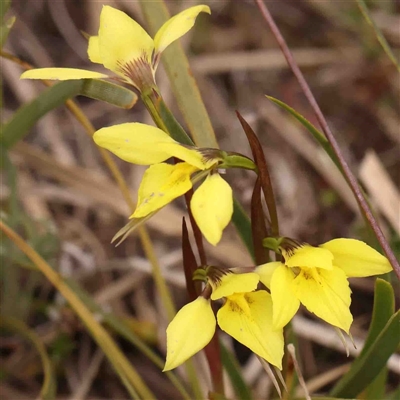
(349, 176)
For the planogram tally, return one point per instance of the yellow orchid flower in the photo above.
(125, 48)
(317, 278)
(212, 202)
(246, 316)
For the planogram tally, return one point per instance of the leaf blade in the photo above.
(382, 341)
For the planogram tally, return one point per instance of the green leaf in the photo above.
(181, 78)
(108, 92)
(395, 395)
(27, 115)
(232, 367)
(382, 341)
(54, 96)
(381, 39)
(318, 135)
(382, 311)
(376, 389)
(48, 390)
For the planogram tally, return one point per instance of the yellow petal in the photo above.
(134, 142)
(234, 283)
(212, 207)
(192, 328)
(122, 40)
(284, 300)
(247, 317)
(94, 50)
(144, 144)
(61, 74)
(356, 258)
(161, 184)
(309, 256)
(265, 272)
(189, 154)
(325, 293)
(177, 26)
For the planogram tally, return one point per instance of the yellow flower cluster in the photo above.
(316, 277)
(313, 276)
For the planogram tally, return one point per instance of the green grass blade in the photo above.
(181, 78)
(56, 95)
(27, 115)
(382, 311)
(382, 341)
(376, 389)
(108, 92)
(318, 135)
(381, 39)
(48, 390)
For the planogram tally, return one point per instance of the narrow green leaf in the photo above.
(377, 388)
(28, 114)
(54, 96)
(232, 367)
(381, 39)
(181, 78)
(48, 390)
(377, 349)
(383, 310)
(318, 135)
(108, 92)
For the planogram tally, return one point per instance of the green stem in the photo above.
(163, 117)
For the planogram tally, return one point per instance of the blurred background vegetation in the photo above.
(57, 193)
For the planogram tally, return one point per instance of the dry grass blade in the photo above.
(48, 390)
(384, 194)
(124, 369)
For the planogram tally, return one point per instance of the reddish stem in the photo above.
(198, 237)
(349, 176)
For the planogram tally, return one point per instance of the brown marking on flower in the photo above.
(139, 72)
